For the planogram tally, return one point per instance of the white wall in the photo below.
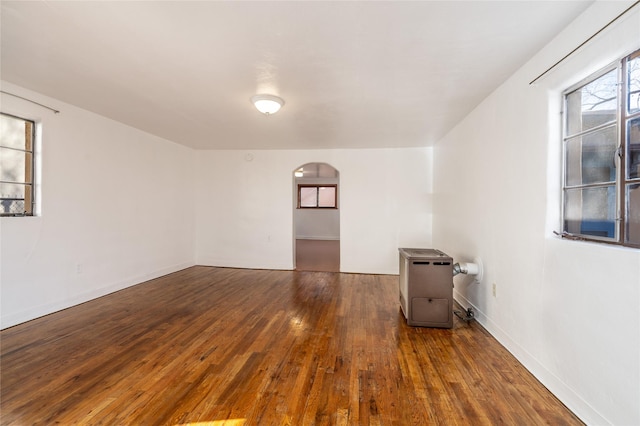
(317, 224)
(567, 310)
(244, 213)
(117, 209)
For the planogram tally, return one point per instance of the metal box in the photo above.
(426, 287)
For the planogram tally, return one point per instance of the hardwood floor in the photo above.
(318, 255)
(233, 346)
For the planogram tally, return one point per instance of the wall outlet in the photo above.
(494, 287)
(79, 268)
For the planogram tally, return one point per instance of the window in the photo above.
(317, 196)
(16, 166)
(601, 146)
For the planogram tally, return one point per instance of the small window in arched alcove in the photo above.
(316, 218)
(318, 196)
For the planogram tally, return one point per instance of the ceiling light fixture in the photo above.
(267, 104)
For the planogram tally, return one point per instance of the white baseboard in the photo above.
(216, 261)
(306, 237)
(58, 305)
(564, 393)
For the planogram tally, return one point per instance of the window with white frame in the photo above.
(601, 150)
(17, 137)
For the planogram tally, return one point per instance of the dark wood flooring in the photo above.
(252, 347)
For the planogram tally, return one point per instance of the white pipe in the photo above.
(470, 268)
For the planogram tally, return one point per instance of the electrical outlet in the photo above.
(493, 289)
(79, 268)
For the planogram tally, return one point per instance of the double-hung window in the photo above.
(601, 147)
(16, 166)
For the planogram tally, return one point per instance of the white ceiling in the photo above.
(352, 74)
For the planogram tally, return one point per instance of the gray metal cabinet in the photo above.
(426, 287)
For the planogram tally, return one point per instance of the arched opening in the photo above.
(316, 218)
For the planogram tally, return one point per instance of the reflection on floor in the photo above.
(318, 255)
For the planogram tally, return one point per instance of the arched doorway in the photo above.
(316, 218)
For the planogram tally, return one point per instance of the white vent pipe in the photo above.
(469, 268)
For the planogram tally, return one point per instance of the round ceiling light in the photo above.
(267, 104)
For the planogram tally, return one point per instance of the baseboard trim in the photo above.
(215, 261)
(556, 386)
(318, 238)
(59, 305)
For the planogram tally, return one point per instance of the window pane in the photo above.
(633, 87)
(308, 197)
(591, 158)
(15, 165)
(15, 132)
(632, 224)
(591, 211)
(15, 199)
(327, 196)
(633, 149)
(593, 104)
